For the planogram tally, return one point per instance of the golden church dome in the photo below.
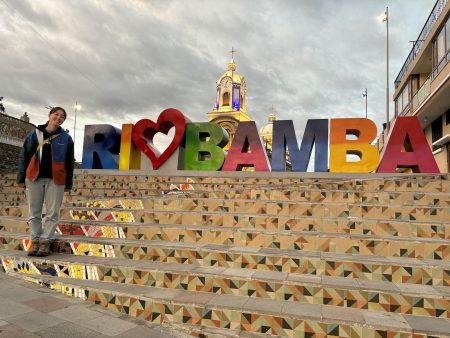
(230, 106)
(231, 73)
(266, 131)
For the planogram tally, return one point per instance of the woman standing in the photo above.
(46, 169)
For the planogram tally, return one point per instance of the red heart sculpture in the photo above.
(144, 131)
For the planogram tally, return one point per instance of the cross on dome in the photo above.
(232, 51)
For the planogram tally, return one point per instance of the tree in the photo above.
(2, 108)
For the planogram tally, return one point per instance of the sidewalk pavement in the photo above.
(29, 310)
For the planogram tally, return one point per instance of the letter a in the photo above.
(246, 150)
(418, 155)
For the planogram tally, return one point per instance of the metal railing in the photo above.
(421, 94)
(437, 10)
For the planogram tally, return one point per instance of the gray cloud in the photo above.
(127, 60)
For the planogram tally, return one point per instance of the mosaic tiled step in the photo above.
(311, 195)
(120, 185)
(296, 180)
(428, 200)
(417, 199)
(245, 314)
(305, 241)
(231, 209)
(168, 231)
(392, 246)
(273, 178)
(421, 300)
(292, 181)
(142, 190)
(392, 269)
(197, 208)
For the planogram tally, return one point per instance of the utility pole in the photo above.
(386, 18)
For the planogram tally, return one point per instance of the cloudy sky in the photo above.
(127, 60)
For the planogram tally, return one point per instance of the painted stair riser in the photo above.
(306, 243)
(311, 196)
(308, 208)
(382, 271)
(218, 216)
(268, 178)
(323, 196)
(432, 306)
(172, 214)
(172, 312)
(127, 182)
(137, 231)
(147, 232)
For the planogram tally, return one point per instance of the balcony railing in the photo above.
(437, 10)
(421, 94)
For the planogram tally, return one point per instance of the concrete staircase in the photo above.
(250, 254)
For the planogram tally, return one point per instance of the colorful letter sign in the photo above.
(145, 130)
(201, 146)
(204, 146)
(284, 138)
(407, 147)
(101, 147)
(130, 156)
(365, 132)
(246, 150)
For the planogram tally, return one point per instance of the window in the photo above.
(236, 98)
(217, 98)
(226, 99)
(436, 131)
(440, 46)
(402, 101)
(447, 33)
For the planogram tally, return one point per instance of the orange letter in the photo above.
(365, 130)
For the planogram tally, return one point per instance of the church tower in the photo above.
(231, 96)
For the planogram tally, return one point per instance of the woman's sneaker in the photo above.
(34, 247)
(44, 248)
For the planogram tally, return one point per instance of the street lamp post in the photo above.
(365, 95)
(77, 107)
(386, 18)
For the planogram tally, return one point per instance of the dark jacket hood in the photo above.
(42, 127)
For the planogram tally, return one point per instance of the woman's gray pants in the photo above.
(40, 192)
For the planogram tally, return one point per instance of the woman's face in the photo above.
(57, 118)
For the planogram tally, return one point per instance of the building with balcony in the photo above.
(422, 88)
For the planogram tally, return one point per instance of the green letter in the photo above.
(204, 146)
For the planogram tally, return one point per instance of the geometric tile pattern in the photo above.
(434, 305)
(159, 312)
(403, 271)
(375, 245)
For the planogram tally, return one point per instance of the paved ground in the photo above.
(28, 310)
